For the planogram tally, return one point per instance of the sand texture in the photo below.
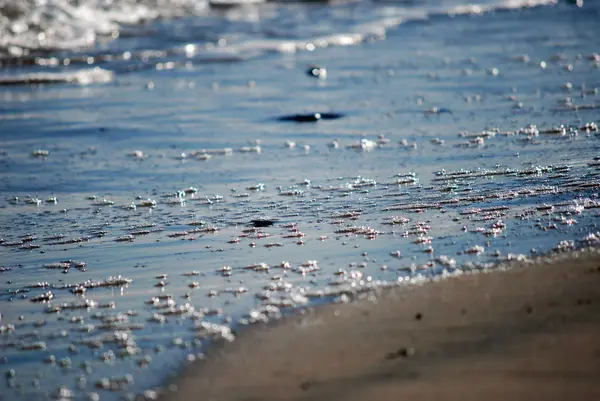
(530, 333)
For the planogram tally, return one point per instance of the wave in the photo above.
(464, 9)
(30, 26)
(81, 77)
(51, 25)
(68, 33)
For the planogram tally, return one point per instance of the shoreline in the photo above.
(527, 331)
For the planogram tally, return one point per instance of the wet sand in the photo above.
(531, 332)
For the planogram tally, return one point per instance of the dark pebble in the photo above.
(262, 223)
(310, 118)
(401, 353)
(419, 316)
(316, 71)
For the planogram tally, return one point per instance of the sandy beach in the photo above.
(527, 333)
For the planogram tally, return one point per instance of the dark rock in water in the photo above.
(302, 118)
(317, 72)
(310, 118)
(331, 116)
(262, 222)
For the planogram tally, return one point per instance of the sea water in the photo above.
(172, 171)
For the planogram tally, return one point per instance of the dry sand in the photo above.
(530, 333)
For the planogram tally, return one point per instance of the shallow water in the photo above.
(421, 200)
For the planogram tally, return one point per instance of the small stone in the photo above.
(317, 72)
(401, 353)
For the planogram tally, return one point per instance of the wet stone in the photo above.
(262, 222)
(316, 71)
(311, 117)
